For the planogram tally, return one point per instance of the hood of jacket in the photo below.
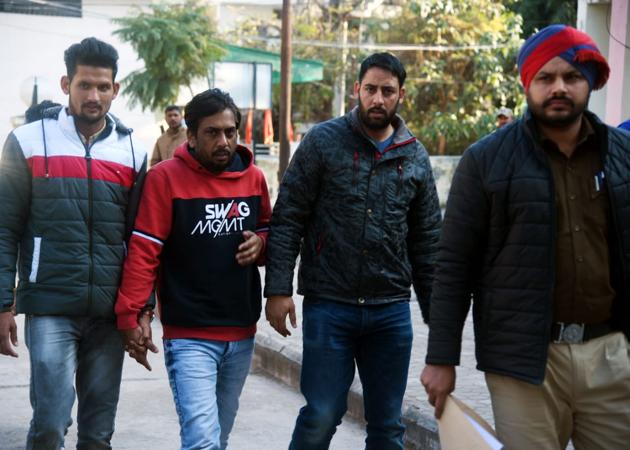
(66, 121)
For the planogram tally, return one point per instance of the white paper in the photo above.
(487, 437)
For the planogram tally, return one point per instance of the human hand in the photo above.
(144, 320)
(438, 382)
(134, 345)
(249, 251)
(276, 310)
(8, 334)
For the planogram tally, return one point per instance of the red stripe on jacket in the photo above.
(76, 167)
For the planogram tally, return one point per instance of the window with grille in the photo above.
(67, 8)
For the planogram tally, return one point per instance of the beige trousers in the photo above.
(585, 397)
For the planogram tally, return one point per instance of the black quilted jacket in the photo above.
(497, 245)
(367, 224)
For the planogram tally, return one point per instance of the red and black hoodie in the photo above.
(187, 232)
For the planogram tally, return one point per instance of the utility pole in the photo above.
(339, 101)
(285, 88)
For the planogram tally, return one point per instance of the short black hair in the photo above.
(385, 61)
(172, 108)
(209, 103)
(91, 52)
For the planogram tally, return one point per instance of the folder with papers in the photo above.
(461, 428)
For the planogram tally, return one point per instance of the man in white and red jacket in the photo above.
(199, 235)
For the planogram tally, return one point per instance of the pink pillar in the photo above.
(616, 55)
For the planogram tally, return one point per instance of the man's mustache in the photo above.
(566, 100)
(376, 109)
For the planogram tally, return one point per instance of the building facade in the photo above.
(608, 22)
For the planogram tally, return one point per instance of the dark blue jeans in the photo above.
(336, 336)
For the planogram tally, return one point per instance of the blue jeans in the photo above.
(206, 378)
(336, 335)
(61, 347)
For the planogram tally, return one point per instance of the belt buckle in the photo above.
(572, 333)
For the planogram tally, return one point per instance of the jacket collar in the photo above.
(66, 122)
(183, 153)
(400, 146)
(529, 125)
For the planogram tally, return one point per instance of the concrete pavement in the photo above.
(146, 418)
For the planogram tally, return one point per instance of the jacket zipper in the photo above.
(552, 262)
(88, 161)
(400, 144)
(367, 197)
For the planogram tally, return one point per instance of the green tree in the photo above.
(537, 14)
(452, 95)
(177, 44)
(313, 20)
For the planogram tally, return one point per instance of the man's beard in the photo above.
(212, 166)
(373, 123)
(563, 121)
(80, 116)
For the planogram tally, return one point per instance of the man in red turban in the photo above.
(537, 233)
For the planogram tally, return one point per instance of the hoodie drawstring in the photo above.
(400, 177)
(133, 153)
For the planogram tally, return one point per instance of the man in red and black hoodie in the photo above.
(200, 234)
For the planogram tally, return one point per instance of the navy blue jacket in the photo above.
(498, 246)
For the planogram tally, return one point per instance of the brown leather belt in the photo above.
(576, 333)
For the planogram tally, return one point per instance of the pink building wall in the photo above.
(616, 59)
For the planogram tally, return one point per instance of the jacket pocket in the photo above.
(37, 244)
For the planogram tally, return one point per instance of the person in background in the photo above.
(504, 116)
(172, 138)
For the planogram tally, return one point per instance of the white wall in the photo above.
(33, 46)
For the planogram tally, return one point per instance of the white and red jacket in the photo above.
(186, 235)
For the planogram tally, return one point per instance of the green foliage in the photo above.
(537, 14)
(314, 21)
(452, 96)
(177, 44)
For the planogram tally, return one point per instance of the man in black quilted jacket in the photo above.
(537, 232)
(359, 199)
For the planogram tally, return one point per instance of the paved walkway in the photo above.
(146, 418)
